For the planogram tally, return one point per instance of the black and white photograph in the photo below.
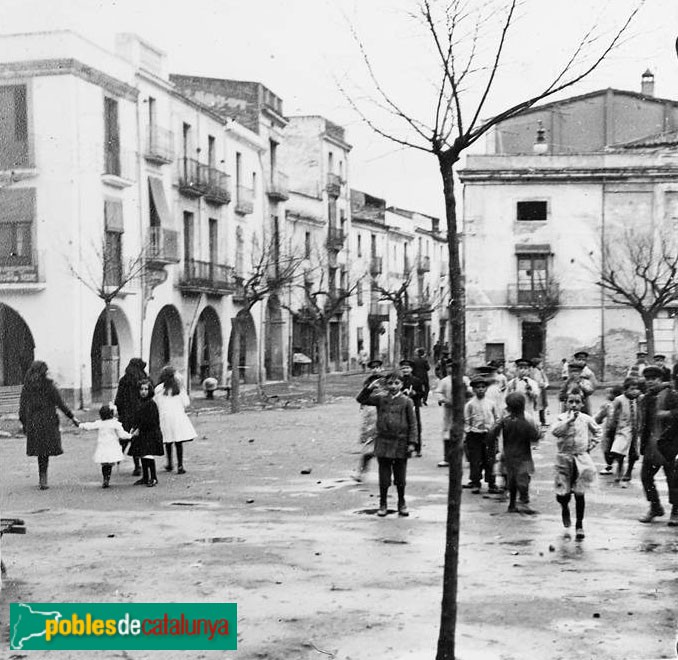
(339, 330)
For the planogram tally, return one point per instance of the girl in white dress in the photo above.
(110, 432)
(172, 401)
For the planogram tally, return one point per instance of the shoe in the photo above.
(105, 485)
(140, 482)
(655, 511)
(151, 483)
(136, 472)
(44, 487)
(470, 484)
(402, 510)
(512, 508)
(526, 509)
(626, 477)
(180, 470)
(168, 467)
(493, 490)
(623, 484)
(418, 454)
(446, 464)
(606, 470)
(475, 490)
(580, 536)
(565, 513)
(383, 511)
(673, 520)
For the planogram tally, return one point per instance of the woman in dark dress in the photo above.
(38, 405)
(127, 400)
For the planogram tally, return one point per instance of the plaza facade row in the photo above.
(108, 162)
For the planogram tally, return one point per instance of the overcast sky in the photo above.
(299, 48)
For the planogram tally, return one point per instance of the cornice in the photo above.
(590, 175)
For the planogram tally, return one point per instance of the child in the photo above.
(480, 415)
(624, 429)
(110, 433)
(518, 436)
(396, 437)
(444, 394)
(576, 380)
(528, 387)
(147, 441)
(368, 423)
(603, 416)
(172, 400)
(576, 434)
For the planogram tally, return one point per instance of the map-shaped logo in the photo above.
(28, 623)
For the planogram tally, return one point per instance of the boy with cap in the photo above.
(396, 436)
(528, 387)
(578, 381)
(659, 361)
(413, 388)
(586, 372)
(659, 442)
(636, 370)
(480, 415)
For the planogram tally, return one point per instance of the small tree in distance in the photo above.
(469, 40)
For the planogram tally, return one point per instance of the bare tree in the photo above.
(469, 40)
(639, 270)
(270, 273)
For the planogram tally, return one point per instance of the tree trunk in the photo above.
(322, 361)
(648, 323)
(398, 339)
(544, 326)
(448, 616)
(235, 365)
(108, 334)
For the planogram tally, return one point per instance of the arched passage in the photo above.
(16, 347)
(105, 364)
(206, 357)
(248, 349)
(274, 352)
(167, 341)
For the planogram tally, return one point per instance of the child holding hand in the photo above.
(576, 434)
(110, 432)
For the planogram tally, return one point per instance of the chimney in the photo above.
(647, 83)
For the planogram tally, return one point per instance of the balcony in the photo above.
(216, 184)
(333, 186)
(119, 167)
(376, 267)
(335, 238)
(189, 178)
(379, 311)
(159, 145)
(244, 200)
(22, 272)
(162, 246)
(278, 187)
(424, 264)
(207, 277)
(239, 289)
(525, 298)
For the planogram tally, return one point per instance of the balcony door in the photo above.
(532, 276)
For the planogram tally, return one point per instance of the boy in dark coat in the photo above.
(395, 439)
(413, 388)
(420, 369)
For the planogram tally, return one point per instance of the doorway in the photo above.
(533, 340)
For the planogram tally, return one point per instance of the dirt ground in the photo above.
(314, 572)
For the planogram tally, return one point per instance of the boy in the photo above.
(659, 442)
(623, 428)
(396, 437)
(528, 387)
(604, 418)
(444, 394)
(480, 415)
(576, 434)
(413, 388)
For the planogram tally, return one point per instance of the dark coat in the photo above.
(659, 437)
(414, 388)
(149, 440)
(518, 434)
(127, 400)
(39, 418)
(420, 369)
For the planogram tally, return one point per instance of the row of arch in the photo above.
(205, 350)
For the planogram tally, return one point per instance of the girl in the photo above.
(576, 434)
(110, 434)
(147, 441)
(127, 400)
(38, 405)
(172, 400)
(368, 424)
(518, 436)
(396, 436)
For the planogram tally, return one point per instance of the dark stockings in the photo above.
(579, 504)
(43, 463)
(148, 468)
(106, 470)
(180, 454)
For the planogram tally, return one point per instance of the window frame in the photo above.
(524, 202)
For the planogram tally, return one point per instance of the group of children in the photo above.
(156, 421)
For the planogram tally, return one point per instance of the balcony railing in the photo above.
(216, 184)
(376, 267)
(162, 246)
(333, 186)
(523, 297)
(189, 177)
(379, 311)
(278, 187)
(160, 145)
(335, 238)
(22, 269)
(207, 276)
(119, 166)
(424, 264)
(244, 200)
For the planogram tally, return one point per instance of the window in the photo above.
(111, 137)
(360, 249)
(17, 210)
(332, 211)
(188, 236)
(214, 240)
(307, 245)
(359, 293)
(532, 275)
(531, 211)
(113, 222)
(13, 127)
(211, 151)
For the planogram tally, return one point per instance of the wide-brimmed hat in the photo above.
(652, 372)
(373, 364)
